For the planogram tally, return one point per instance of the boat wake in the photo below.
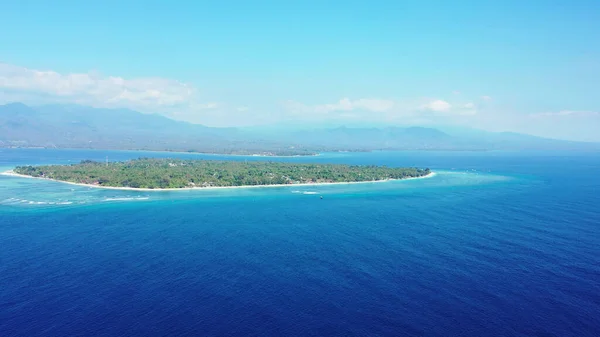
(126, 199)
(304, 192)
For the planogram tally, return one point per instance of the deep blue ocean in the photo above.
(496, 244)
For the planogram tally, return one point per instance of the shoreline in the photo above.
(11, 173)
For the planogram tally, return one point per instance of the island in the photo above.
(164, 173)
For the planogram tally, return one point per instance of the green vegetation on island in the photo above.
(178, 173)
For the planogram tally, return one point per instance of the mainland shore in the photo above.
(14, 174)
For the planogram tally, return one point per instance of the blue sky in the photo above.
(525, 66)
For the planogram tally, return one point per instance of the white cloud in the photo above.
(94, 89)
(577, 113)
(182, 101)
(369, 109)
(486, 98)
(345, 104)
(342, 108)
(204, 106)
(437, 105)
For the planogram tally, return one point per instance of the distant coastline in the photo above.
(11, 173)
(265, 154)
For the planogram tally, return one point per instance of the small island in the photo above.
(150, 173)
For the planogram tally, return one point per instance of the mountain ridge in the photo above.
(76, 126)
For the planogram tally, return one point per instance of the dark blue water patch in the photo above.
(512, 258)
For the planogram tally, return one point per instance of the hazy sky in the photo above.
(526, 66)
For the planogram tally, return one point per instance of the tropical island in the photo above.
(150, 173)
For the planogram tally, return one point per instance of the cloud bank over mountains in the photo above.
(94, 88)
(182, 100)
(186, 102)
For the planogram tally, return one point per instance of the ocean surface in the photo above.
(496, 244)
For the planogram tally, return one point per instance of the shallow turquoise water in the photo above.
(19, 192)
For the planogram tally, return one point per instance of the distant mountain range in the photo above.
(74, 126)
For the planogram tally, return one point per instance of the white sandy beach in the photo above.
(13, 174)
